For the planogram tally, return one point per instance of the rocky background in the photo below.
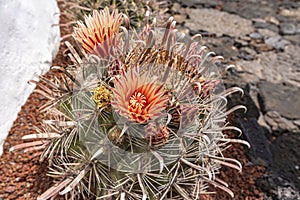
(262, 39)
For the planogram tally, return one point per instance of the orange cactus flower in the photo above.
(137, 98)
(99, 33)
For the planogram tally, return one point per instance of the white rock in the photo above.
(28, 43)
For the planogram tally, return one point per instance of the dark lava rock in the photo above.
(237, 99)
(276, 188)
(281, 98)
(287, 29)
(267, 185)
(286, 157)
(260, 152)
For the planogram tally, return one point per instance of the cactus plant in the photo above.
(139, 115)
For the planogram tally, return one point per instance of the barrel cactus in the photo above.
(139, 115)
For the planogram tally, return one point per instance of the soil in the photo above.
(23, 176)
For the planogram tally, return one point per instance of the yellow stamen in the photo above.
(102, 96)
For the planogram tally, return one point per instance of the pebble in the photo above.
(293, 13)
(277, 42)
(272, 20)
(287, 29)
(240, 43)
(261, 47)
(297, 122)
(245, 38)
(256, 36)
